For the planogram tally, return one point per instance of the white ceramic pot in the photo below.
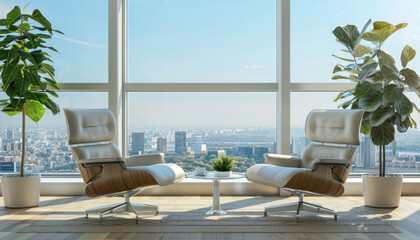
(222, 173)
(382, 192)
(21, 192)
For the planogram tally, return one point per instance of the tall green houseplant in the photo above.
(381, 88)
(26, 73)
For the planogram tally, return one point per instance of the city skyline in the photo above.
(48, 152)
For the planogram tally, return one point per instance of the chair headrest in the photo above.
(334, 126)
(89, 125)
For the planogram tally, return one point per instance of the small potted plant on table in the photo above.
(28, 80)
(223, 166)
(380, 90)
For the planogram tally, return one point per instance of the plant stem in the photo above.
(380, 161)
(384, 161)
(22, 161)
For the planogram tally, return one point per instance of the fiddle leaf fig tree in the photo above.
(381, 88)
(26, 72)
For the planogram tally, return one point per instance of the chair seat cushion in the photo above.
(164, 173)
(272, 175)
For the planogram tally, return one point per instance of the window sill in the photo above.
(74, 186)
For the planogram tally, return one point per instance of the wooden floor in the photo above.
(406, 218)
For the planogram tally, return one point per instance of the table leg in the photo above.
(216, 209)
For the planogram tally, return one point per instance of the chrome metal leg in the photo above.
(300, 206)
(126, 206)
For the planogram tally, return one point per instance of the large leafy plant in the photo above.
(381, 88)
(26, 73)
(224, 164)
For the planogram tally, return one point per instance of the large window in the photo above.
(201, 41)
(312, 46)
(81, 66)
(211, 43)
(194, 128)
(197, 79)
(46, 148)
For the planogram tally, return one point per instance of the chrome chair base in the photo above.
(299, 207)
(121, 207)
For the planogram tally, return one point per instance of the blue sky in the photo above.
(210, 41)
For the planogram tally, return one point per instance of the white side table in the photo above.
(216, 209)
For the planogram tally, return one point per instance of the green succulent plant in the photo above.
(26, 73)
(224, 164)
(381, 88)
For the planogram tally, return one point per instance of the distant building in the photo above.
(299, 144)
(366, 154)
(247, 151)
(8, 167)
(217, 153)
(181, 143)
(260, 151)
(10, 134)
(198, 147)
(161, 145)
(137, 144)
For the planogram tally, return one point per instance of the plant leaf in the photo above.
(34, 110)
(375, 77)
(360, 50)
(13, 16)
(407, 54)
(367, 69)
(37, 16)
(9, 73)
(412, 79)
(392, 93)
(381, 115)
(335, 77)
(371, 101)
(383, 134)
(22, 84)
(403, 106)
(52, 106)
(385, 58)
(344, 59)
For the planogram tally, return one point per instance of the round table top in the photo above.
(210, 176)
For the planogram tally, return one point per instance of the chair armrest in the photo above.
(100, 162)
(332, 163)
(282, 160)
(145, 160)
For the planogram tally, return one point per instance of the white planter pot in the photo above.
(222, 174)
(21, 192)
(383, 192)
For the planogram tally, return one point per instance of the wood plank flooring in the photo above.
(406, 218)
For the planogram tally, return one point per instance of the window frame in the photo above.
(118, 86)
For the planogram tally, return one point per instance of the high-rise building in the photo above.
(247, 151)
(366, 154)
(198, 147)
(260, 151)
(161, 145)
(217, 153)
(181, 142)
(10, 134)
(137, 144)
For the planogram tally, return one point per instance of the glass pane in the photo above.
(84, 47)
(312, 41)
(406, 159)
(194, 128)
(201, 41)
(46, 144)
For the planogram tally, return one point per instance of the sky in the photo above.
(209, 41)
